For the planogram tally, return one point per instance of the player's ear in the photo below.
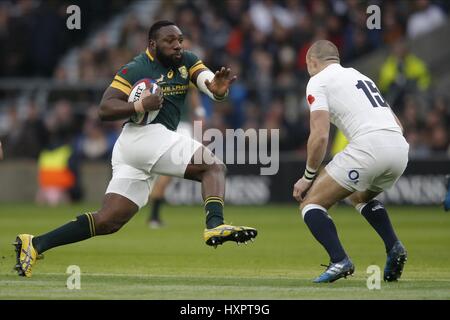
(152, 43)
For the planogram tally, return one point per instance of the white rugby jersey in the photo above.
(355, 105)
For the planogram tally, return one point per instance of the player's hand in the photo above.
(154, 101)
(300, 189)
(221, 82)
(1, 151)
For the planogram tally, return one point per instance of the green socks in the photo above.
(214, 212)
(76, 230)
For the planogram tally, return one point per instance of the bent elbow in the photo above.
(102, 113)
(322, 139)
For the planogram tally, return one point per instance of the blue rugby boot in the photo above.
(396, 259)
(336, 271)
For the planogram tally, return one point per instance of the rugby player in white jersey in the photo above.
(376, 156)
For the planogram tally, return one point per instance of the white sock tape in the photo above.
(360, 206)
(310, 207)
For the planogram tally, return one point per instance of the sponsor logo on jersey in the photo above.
(169, 90)
(311, 99)
(170, 74)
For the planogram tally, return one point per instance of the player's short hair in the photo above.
(156, 26)
(324, 50)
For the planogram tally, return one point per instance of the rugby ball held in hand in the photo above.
(136, 94)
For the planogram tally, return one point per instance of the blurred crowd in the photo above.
(34, 36)
(264, 42)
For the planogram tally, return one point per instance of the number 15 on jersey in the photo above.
(372, 93)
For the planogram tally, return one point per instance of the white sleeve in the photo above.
(316, 96)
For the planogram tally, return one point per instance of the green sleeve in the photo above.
(193, 63)
(126, 77)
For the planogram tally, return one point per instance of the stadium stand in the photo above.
(264, 38)
(269, 38)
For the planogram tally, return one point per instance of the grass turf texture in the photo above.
(174, 263)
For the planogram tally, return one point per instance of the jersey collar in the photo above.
(149, 55)
(328, 67)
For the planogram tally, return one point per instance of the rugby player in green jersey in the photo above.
(147, 149)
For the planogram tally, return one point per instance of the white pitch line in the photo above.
(210, 277)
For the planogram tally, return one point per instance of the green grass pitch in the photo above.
(174, 263)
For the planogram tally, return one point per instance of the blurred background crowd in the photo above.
(263, 41)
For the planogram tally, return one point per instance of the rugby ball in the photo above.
(136, 94)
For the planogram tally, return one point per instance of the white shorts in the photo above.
(185, 128)
(141, 153)
(372, 162)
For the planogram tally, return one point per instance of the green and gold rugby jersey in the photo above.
(174, 83)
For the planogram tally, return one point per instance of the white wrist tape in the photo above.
(207, 75)
(309, 173)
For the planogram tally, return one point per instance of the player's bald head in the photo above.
(324, 51)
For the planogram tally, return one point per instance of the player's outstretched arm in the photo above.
(216, 85)
(221, 82)
(115, 105)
